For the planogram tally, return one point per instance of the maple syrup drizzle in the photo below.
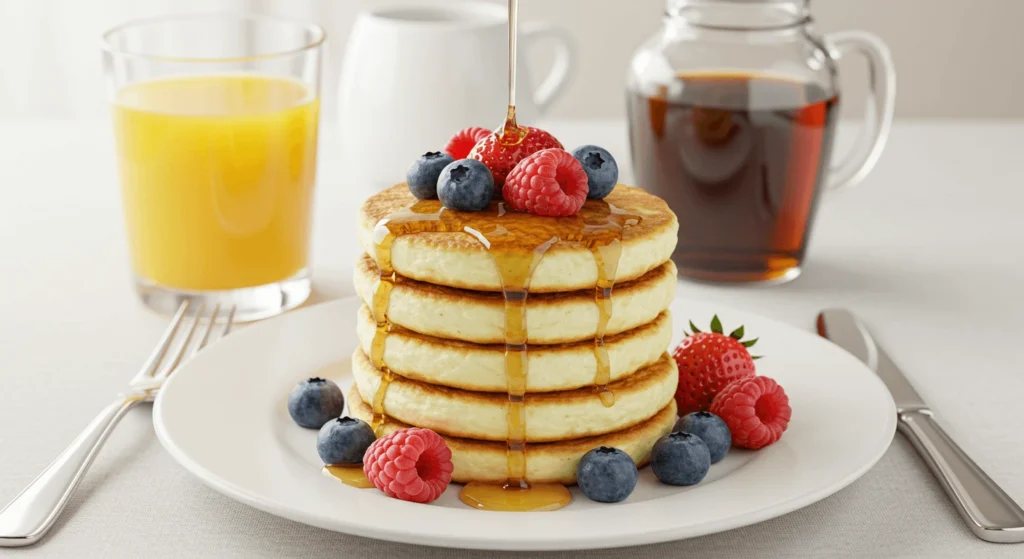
(381, 299)
(349, 475)
(607, 259)
(516, 269)
(516, 242)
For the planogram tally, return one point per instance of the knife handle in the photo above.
(989, 512)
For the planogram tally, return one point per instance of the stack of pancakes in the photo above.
(446, 346)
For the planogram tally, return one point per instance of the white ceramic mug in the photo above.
(413, 76)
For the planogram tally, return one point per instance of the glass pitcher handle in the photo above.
(858, 161)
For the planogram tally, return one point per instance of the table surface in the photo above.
(929, 250)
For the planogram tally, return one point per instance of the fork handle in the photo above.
(27, 518)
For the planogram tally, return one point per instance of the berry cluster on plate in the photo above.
(717, 374)
(535, 175)
(408, 464)
(723, 403)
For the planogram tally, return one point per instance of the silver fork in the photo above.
(27, 518)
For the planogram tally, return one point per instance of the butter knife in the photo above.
(989, 512)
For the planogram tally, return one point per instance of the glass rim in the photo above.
(106, 45)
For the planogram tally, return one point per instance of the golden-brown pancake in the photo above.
(550, 416)
(551, 318)
(481, 367)
(458, 259)
(476, 460)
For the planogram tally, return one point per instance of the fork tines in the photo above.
(174, 348)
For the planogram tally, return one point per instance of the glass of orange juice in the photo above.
(215, 121)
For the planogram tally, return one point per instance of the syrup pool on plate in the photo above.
(352, 475)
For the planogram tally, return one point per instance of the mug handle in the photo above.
(858, 161)
(564, 67)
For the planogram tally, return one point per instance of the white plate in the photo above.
(223, 417)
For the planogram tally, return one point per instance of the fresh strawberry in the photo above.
(463, 141)
(708, 361)
(501, 158)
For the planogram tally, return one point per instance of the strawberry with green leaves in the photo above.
(708, 361)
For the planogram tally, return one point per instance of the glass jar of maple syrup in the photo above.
(732, 115)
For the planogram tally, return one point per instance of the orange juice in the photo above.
(217, 175)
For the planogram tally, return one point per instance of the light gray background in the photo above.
(933, 271)
(954, 58)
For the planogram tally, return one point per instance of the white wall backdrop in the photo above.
(954, 58)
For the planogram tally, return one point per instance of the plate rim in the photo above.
(341, 524)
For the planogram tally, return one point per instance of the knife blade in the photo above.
(989, 512)
(845, 330)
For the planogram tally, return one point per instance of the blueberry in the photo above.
(422, 176)
(711, 429)
(606, 475)
(344, 441)
(680, 458)
(602, 170)
(466, 185)
(314, 402)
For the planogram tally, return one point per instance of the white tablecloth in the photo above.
(930, 250)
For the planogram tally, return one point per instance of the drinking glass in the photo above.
(215, 120)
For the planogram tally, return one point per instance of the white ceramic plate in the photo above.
(223, 417)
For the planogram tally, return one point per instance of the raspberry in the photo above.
(410, 464)
(463, 141)
(501, 158)
(550, 182)
(755, 409)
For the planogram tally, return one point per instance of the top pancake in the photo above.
(459, 259)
